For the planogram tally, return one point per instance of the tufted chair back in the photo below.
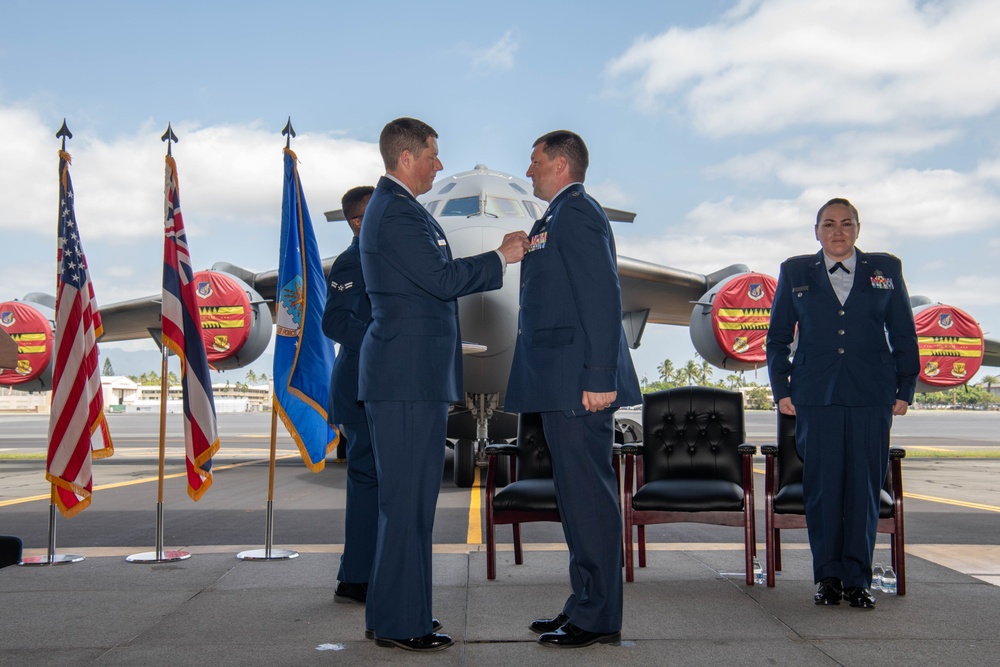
(533, 458)
(788, 465)
(693, 433)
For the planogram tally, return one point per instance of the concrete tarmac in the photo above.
(688, 607)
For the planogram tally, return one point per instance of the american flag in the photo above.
(77, 428)
(181, 322)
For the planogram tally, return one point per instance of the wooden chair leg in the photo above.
(629, 564)
(642, 546)
(491, 545)
(518, 553)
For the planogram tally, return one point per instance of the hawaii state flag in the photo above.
(303, 355)
(78, 430)
(181, 321)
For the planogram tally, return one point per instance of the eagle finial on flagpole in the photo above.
(169, 137)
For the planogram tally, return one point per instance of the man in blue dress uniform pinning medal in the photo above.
(345, 320)
(410, 370)
(572, 365)
(855, 366)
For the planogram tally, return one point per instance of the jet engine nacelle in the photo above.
(729, 323)
(30, 323)
(951, 346)
(235, 320)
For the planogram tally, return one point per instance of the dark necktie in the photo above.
(839, 265)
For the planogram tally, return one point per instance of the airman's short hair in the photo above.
(351, 202)
(403, 134)
(570, 146)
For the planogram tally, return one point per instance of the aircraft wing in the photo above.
(991, 357)
(668, 294)
(138, 318)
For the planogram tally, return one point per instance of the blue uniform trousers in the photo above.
(845, 455)
(408, 439)
(587, 496)
(361, 511)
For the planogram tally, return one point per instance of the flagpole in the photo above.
(268, 553)
(51, 557)
(159, 555)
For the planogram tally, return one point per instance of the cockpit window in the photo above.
(465, 206)
(534, 210)
(505, 208)
(447, 188)
(497, 207)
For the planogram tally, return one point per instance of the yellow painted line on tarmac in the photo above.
(949, 501)
(142, 480)
(475, 535)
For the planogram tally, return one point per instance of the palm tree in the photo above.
(706, 372)
(989, 381)
(666, 370)
(690, 374)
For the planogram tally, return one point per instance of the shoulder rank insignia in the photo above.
(341, 287)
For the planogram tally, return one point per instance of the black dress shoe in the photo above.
(548, 624)
(435, 627)
(350, 592)
(570, 636)
(431, 642)
(859, 597)
(829, 591)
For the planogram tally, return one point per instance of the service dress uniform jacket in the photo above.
(851, 362)
(570, 340)
(345, 319)
(411, 369)
(570, 337)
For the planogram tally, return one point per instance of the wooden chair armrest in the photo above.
(502, 449)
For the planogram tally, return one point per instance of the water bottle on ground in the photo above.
(877, 573)
(889, 581)
(758, 573)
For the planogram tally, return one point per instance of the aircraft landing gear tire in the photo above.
(465, 463)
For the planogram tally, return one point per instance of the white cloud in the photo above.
(230, 186)
(499, 55)
(777, 63)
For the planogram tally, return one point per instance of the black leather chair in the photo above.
(693, 466)
(784, 506)
(530, 495)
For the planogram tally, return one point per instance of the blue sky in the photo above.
(724, 125)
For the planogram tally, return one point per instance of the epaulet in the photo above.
(883, 254)
(798, 257)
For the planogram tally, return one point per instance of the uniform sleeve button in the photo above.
(840, 332)
(840, 350)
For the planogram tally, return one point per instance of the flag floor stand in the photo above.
(158, 556)
(268, 553)
(51, 558)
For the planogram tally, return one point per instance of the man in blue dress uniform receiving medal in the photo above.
(572, 365)
(854, 367)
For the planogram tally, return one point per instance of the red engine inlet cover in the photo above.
(225, 314)
(741, 314)
(951, 345)
(33, 334)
